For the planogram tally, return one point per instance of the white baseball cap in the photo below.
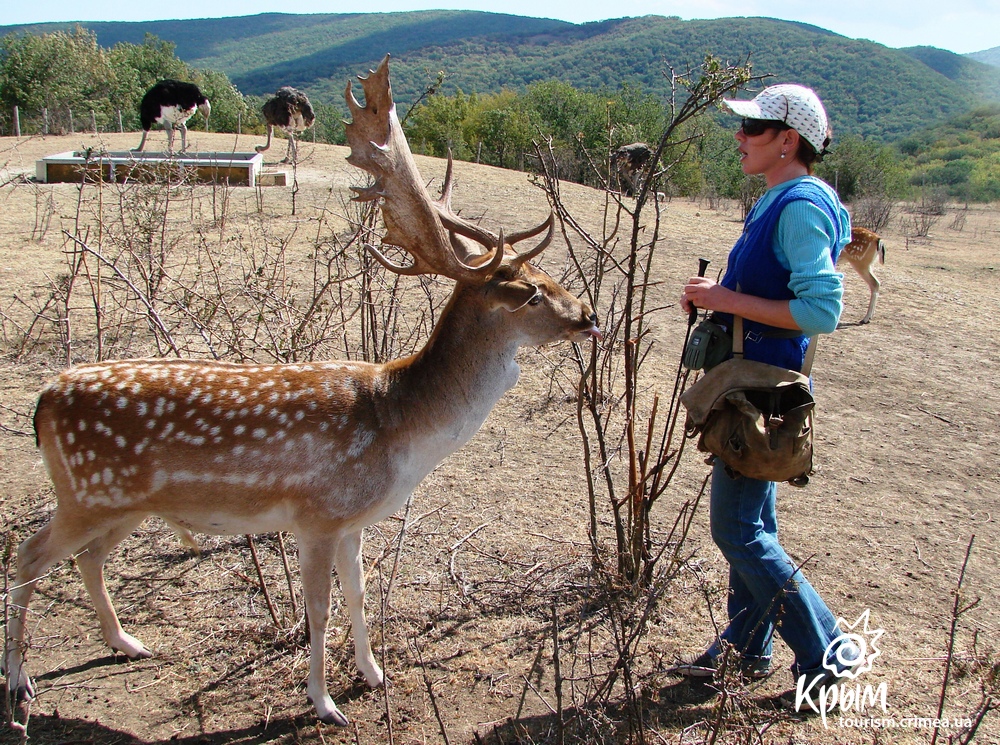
(795, 105)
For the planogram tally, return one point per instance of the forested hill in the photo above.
(870, 89)
(987, 56)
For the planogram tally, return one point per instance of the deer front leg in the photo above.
(351, 571)
(316, 564)
(873, 284)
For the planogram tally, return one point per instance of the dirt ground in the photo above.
(908, 436)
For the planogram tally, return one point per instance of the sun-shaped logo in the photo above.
(854, 650)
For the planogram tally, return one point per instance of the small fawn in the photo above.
(861, 252)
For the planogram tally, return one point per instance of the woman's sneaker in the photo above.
(706, 666)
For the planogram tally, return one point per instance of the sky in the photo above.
(960, 26)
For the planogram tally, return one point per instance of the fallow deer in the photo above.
(321, 450)
(861, 252)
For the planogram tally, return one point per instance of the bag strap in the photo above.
(807, 362)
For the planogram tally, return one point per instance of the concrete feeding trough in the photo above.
(74, 166)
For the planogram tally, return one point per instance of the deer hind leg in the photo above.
(53, 543)
(873, 284)
(316, 565)
(90, 562)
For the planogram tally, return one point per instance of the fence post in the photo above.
(239, 123)
(45, 121)
(72, 129)
(17, 122)
(93, 121)
(121, 128)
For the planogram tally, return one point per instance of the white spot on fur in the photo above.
(361, 441)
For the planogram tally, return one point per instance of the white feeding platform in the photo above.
(74, 166)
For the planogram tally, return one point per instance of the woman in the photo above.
(788, 290)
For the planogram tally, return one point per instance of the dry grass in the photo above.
(495, 564)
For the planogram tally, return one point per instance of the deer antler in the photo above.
(425, 228)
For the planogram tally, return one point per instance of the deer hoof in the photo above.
(335, 717)
(129, 646)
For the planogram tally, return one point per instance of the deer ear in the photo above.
(514, 294)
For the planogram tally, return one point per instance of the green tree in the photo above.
(229, 108)
(437, 125)
(69, 71)
(720, 161)
(859, 168)
(500, 130)
(56, 71)
(576, 121)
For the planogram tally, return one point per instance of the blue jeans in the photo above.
(766, 591)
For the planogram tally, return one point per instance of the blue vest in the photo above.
(755, 268)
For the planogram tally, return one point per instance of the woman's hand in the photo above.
(705, 293)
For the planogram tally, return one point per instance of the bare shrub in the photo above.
(751, 190)
(873, 212)
(958, 220)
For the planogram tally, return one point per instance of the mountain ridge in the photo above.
(870, 89)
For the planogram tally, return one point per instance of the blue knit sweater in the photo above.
(788, 251)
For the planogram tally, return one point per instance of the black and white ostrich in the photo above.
(171, 103)
(630, 160)
(291, 112)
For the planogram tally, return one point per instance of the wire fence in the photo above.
(19, 122)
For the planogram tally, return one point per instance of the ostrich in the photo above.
(291, 112)
(171, 102)
(630, 159)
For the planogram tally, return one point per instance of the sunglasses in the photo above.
(754, 127)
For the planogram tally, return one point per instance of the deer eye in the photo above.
(536, 299)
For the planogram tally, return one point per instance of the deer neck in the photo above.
(448, 388)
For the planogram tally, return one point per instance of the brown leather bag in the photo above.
(757, 418)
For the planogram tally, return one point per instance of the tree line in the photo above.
(69, 70)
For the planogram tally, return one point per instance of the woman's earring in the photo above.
(782, 155)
